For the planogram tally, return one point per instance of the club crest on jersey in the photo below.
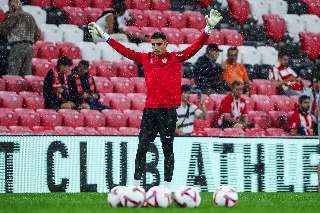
(164, 60)
(151, 61)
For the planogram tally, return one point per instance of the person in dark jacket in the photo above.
(208, 72)
(83, 90)
(55, 89)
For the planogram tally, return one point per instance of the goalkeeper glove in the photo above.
(96, 30)
(212, 21)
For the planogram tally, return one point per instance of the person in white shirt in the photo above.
(186, 112)
(114, 22)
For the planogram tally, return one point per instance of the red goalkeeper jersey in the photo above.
(162, 73)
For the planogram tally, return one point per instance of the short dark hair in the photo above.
(64, 60)
(159, 35)
(282, 53)
(84, 63)
(235, 84)
(232, 49)
(303, 97)
(120, 7)
(185, 88)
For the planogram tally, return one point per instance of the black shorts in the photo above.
(158, 120)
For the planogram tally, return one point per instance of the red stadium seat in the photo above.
(10, 100)
(2, 85)
(310, 44)
(104, 100)
(266, 88)
(73, 52)
(71, 117)
(107, 130)
(208, 123)
(1, 15)
(199, 132)
(40, 3)
(137, 100)
(61, 3)
(174, 36)
(27, 117)
(103, 4)
(76, 16)
(134, 117)
(81, 3)
(114, 118)
(239, 10)
(252, 114)
(103, 84)
(214, 131)
(64, 130)
(15, 83)
(274, 26)
(282, 103)
(93, 118)
(141, 4)
(176, 19)
(195, 20)
(20, 130)
(8, 117)
(263, 121)
(126, 69)
(312, 6)
(249, 103)
(255, 132)
(133, 30)
(4, 130)
(279, 119)
(139, 84)
(122, 85)
(162, 5)
(35, 83)
(276, 132)
(120, 103)
(49, 117)
(232, 37)
(105, 68)
(32, 100)
(49, 51)
(217, 98)
(148, 32)
(141, 18)
(190, 34)
(156, 18)
(233, 132)
(92, 13)
(216, 37)
(85, 131)
(205, 3)
(40, 129)
(263, 103)
(128, 131)
(41, 68)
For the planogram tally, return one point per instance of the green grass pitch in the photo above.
(96, 202)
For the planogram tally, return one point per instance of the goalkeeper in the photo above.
(163, 80)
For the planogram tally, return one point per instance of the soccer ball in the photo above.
(187, 196)
(114, 196)
(225, 196)
(133, 196)
(158, 196)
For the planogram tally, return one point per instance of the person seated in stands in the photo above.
(207, 72)
(55, 88)
(114, 23)
(232, 112)
(235, 71)
(186, 112)
(83, 90)
(301, 122)
(283, 76)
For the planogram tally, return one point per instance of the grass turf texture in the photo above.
(96, 202)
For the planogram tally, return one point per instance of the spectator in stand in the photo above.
(283, 76)
(55, 89)
(21, 31)
(208, 72)
(83, 90)
(235, 71)
(232, 112)
(114, 23)
(301, 122)
(186, 112)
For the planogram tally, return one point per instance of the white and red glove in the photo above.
(212, 21)
(96, 30)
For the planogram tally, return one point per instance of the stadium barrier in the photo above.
(41, 164)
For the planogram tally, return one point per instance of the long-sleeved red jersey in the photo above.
(162, 73)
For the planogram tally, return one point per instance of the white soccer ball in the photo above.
(114, 196)
(187, 196)
(133, 196)
(158, 196)
(225, 196)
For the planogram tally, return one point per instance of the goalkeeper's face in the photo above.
(159, 46)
